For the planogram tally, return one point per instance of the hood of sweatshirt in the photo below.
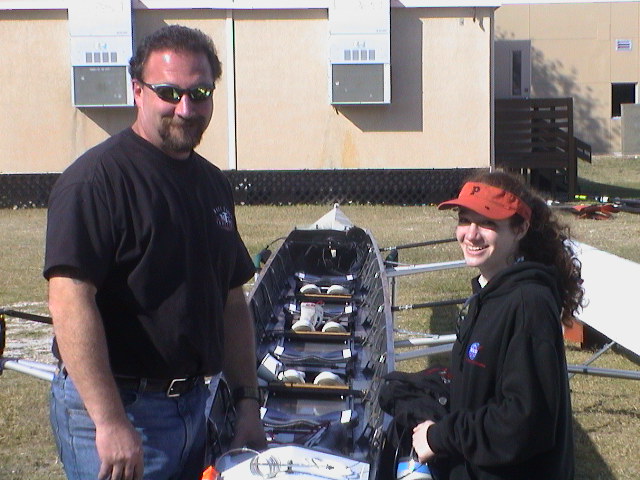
(516, 274)
(503, 283)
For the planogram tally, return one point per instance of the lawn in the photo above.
(606, 411)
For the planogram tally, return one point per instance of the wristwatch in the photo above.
(240, 393)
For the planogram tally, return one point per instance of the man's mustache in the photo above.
(198, 121)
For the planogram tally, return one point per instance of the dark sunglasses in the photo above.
(173, 94)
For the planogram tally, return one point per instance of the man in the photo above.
(145, 269)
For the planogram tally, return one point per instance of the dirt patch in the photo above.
(27, 339)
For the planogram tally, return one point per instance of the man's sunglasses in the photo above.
(173, 94)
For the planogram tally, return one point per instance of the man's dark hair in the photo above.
(177, 38)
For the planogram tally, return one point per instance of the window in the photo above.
(621, 93)
(516, 73)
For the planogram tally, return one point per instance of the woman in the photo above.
(510, 415)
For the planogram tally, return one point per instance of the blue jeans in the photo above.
(173, 431)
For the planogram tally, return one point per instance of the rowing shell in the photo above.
(324, 337)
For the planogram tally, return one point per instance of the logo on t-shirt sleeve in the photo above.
(224, 219)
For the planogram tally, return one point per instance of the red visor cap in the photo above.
(491, 202)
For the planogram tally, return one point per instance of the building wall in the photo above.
(574, 55)
(38, 124)
(438, 118)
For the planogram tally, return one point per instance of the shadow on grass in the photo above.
(589, 463)
(591, 188)
(443, 319)
(443, 322)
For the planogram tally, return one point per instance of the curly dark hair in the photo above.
(545, 242)
(177, 38)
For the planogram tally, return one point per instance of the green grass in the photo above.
(26, 445)
(606, 411)
(612, 176)
(22, 250)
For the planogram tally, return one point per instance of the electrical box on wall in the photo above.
(359, 52)
(101, 45)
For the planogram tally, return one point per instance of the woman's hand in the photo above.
(420, 442)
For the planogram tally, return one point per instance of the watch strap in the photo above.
(240, 393)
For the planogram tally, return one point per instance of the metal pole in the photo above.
(425, 352)
(427, 340)
(403, 270)
(440, 303)
(41, 372)
(419, 244)
(47, 367)
(596, 355)
(603, 372)
(26, 316)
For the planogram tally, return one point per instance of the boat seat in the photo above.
(293, 357)
(274, 418)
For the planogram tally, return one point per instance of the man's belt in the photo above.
(173, 388)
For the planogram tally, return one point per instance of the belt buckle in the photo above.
(176, 381)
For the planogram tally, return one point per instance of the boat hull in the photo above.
(324, 337)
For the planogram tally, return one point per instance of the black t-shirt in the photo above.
(158, 238)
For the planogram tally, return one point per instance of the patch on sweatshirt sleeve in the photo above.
(472, 353)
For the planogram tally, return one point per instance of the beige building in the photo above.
(585, 50)
(273, 105)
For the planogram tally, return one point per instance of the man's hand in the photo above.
(120, 450)
(249, 430)
(420, 443)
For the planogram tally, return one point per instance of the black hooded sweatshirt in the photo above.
(510, 403)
